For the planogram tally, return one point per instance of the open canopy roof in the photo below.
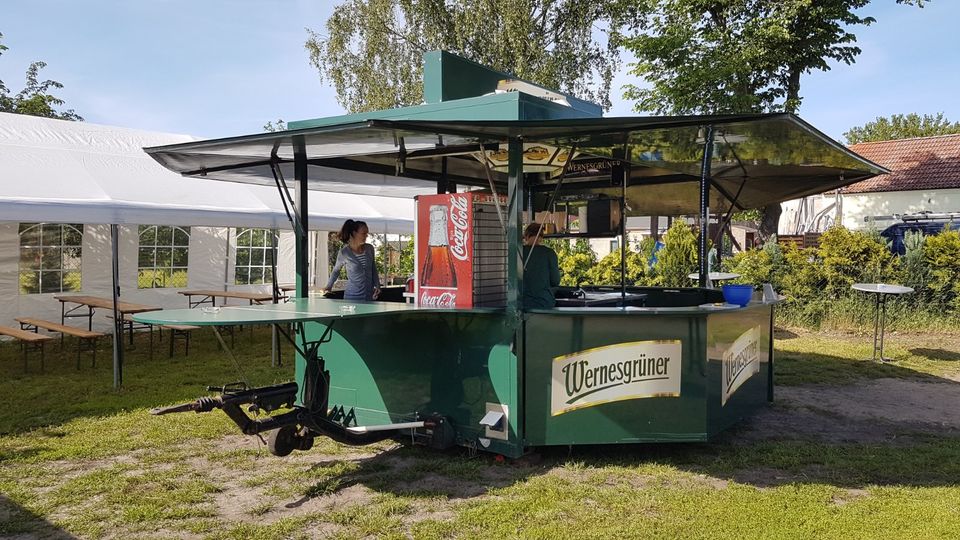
(757, 159)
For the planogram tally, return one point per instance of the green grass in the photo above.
(806, 358)
(79, 458)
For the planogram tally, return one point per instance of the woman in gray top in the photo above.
(363, 282)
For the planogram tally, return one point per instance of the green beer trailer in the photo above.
(608, 365)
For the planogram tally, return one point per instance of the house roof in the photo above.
(915, 164)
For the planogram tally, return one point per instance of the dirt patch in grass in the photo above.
(881, 410)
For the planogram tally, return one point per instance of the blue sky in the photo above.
(213, 68)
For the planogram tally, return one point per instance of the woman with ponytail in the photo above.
(363, 281)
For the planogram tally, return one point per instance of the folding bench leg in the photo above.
(173, 335)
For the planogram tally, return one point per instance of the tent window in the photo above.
(162, 260)
(256, 249)
(50, 257)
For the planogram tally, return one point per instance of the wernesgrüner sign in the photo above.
(740, 362)
(639, 369)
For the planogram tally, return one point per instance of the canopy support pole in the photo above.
(703, 260)
(117, 322)
(514, 219)
(301, 212)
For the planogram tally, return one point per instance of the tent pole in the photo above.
(226, 262)
(117, 322)
(274, 331)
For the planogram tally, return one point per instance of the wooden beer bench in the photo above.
(181, 331)
(86, 339)
(28, 340)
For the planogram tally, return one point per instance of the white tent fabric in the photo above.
(77, 172)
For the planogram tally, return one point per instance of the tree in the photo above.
(273, 127)
(901, 126)
(35, 99)
(738, 56)
(372, 49)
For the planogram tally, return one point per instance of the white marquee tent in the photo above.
(85, 173)
(81, 173)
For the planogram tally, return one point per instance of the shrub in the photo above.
(607, 271)
(678, 257)
(801, 278)
(849, 257)
(942, 253)
(915, 270)
(575, 260)
(753, 265)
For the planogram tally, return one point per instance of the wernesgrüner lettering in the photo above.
(632, 370)
(583, 380)
(740, 362)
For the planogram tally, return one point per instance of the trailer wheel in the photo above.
(304, 442)
(282, 441)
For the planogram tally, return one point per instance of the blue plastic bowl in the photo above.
(738, 294)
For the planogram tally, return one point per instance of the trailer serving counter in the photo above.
(469, 365)
(583, 375)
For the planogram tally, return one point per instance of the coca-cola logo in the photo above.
(445, 299)
(458, 216)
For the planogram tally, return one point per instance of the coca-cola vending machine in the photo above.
(461, 251)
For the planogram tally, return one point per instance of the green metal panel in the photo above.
(737, 340)
(507, 106)
(740, 337)
(682, 418)
(448, 77)
(390, 368)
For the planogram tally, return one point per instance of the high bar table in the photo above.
(882, 290)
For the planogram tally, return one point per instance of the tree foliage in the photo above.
(607, 270)
(902, 126)
(273, 127)
(575, 261)
(35, 98)
(372, 49)
(736, 56)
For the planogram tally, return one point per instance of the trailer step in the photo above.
(385, 427)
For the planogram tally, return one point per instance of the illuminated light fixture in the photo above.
(537, 157)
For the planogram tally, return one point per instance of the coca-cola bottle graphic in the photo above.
(438, 269)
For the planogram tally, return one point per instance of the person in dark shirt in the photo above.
(363, 281)
(541, 274)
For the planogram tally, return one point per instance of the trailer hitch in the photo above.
(233, 396)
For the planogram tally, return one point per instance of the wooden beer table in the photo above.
(210, 297)
(125, 309)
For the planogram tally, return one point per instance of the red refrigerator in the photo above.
(461, 251)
